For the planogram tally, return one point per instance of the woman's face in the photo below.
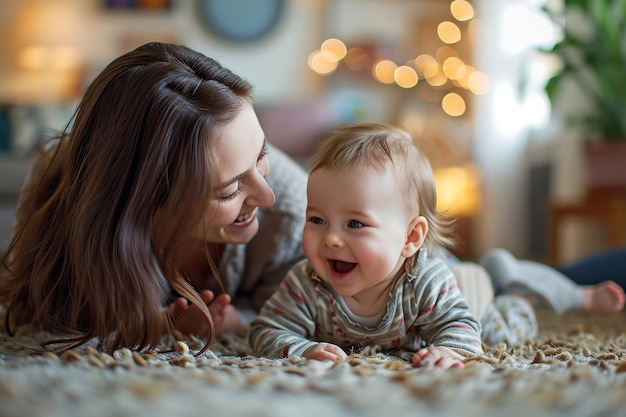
(231, 216)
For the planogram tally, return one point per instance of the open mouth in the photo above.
(342, 267)
(244, 217)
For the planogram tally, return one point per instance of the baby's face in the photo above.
(356, 228)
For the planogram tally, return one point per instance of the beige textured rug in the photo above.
(576, 367)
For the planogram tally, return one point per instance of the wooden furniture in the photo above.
(605, 206)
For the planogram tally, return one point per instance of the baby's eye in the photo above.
(355, 224)
(316, 220)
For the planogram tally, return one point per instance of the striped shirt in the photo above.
(425, 306)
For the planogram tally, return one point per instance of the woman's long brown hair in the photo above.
(105, 211)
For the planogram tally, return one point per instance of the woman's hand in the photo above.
(324, 352)
(225, 317)
(190, 320)
(441, 357)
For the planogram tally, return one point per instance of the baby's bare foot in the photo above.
(604, 298)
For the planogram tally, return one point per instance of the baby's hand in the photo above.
(324, 352)
(442, 357)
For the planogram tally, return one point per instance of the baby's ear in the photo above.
(415, 236)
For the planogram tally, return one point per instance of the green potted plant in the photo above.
(592, 52)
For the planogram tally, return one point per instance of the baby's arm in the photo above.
(287, 322)
(445, 322)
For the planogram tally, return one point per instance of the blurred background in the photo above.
(467, 78)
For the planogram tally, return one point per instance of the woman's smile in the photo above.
(245, 219)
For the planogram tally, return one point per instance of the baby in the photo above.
(370, 278)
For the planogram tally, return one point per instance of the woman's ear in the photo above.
(415, 236)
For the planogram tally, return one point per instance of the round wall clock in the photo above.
(240, 20)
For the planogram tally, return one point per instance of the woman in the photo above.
(160, 195)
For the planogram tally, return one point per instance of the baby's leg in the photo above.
(604, 298)
(508, 319)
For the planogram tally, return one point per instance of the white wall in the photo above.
(514, 128)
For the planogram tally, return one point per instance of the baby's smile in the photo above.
(341, 266)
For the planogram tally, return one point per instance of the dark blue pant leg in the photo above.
(606, 265)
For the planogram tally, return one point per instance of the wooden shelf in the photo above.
(605, 206)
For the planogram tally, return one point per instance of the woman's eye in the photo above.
(316, 220)
(263, 162)
(264, 153)
(263, 166)
(232, 195)
(355, 224)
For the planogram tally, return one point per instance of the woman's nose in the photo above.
(261, 194)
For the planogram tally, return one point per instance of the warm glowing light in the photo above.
(478, 83)
(32, 58)
(67, 58)
(451, 67)
(434, 76)
(422, 61)
(462, 10)
(443, 68)
(449, 32)
(318, 63)
(384, 71)
(333, 49)
(463, 80)
(458, 190)
(460, 73)
(453, 104)
(50, 24)
(357, 59)
(38, 58)
(431, 69)
(405, 76)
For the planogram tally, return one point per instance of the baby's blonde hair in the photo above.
(378, 146)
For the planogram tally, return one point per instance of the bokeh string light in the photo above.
(444, 70)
